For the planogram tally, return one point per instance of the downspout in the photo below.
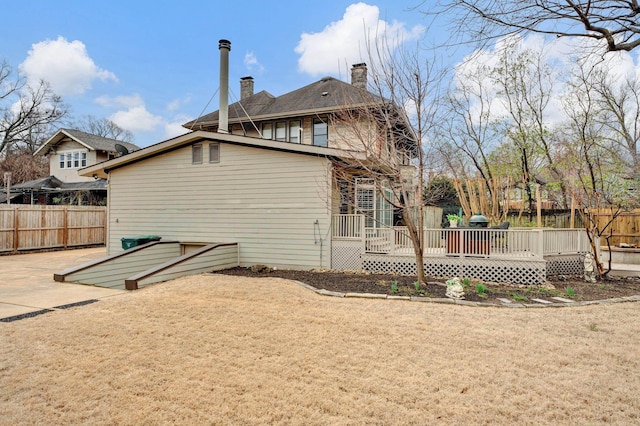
(318, 238)
(223, 112)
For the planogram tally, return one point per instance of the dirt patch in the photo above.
(565, 287)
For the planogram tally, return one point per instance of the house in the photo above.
(271, 180)
(320, 114)
(264, 177)
(68, 151)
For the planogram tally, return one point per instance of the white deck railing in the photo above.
(347, 226)
(482, 242)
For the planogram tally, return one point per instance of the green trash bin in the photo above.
(130, 242)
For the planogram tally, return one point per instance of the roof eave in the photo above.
(101, 170)
(287, 114)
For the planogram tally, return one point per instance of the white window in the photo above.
(196, 154)
(214, 152)
(294, 131)
(377, 210)
(72, 160)
(267, 130)
(281, 131)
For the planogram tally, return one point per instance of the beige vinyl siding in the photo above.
(204, 260)
(265, 200)
(113, 272)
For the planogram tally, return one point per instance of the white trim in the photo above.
(57, 137)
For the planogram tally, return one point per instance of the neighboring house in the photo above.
(304, 116)
(68, 151)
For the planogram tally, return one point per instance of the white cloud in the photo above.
(344, 42)
(133, 114)
(174, 128)
(252, 63)
(137, 119)
(65, 65)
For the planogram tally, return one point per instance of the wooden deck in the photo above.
(513, 255)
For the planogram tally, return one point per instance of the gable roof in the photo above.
(325, 95)
(90, 141)
(101, 170)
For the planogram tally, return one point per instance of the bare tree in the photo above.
(27, 113)
(471, 130)
(526, 86)
(470, 135)
(394, 131)
(498, 125)
(594, 171)
(614, 22)
(24, 166)
(619, 102)
(103, 127)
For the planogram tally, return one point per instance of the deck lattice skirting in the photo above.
(568, 264)
(515, 271)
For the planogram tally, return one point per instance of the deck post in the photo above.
(539, 246)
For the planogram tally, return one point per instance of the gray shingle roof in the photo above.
(99, 143)
(52, 182)
(323, 95)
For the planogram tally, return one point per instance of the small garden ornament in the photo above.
(455, 290)
(589, 268)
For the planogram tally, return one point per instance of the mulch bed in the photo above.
(400, 285)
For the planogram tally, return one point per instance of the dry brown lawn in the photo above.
(233, 350)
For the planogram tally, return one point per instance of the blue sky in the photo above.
(151, 66)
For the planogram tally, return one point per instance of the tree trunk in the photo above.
(415, 229)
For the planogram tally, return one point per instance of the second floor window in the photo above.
(294, 131)
(267, 130)
(320, 132)
(284, 131)
(281, 131)
(72, 159)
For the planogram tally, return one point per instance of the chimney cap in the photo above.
(246, 78)
(360, 65)
(226, 44)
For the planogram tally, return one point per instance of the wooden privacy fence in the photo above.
(26, 227)
(625, 227)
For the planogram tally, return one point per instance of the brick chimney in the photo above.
(359, 75)
(246, 87)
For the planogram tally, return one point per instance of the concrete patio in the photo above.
(27, 285)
